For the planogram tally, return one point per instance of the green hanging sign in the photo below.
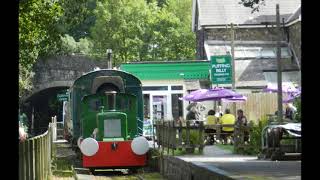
(221, 69)
(63, 97)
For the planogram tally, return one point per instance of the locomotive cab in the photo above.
(109, 129)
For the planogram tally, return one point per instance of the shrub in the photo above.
(194, 136)
(254, 146)
(297, 104)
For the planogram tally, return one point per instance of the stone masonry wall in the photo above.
(244, 34)
(63, 69)
(295, 38)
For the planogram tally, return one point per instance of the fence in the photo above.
(257, 105)
(35, 156)
(169, 134)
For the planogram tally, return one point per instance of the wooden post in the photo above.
(168, 137)
(187, 143)
(163, 136)
(233, 67)
(24, 168)
(153, 136)
(46, 155)
(32, 175)
(180, 135)
(173, 138)
(37, 163)
(20, 161)
(279, 69)
(201, 128)
(50, 146)
(41, 157)
(27, 158)
(218, 130)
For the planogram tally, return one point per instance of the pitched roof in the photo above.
(222, 12)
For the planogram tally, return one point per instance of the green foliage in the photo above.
(227, 147)
(297, 104)
(25, 80)
(141, 31)
(38, 36)
(77, 18)
(69, 45)
(254, 146)
(194, 136)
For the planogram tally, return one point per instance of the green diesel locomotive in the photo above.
(105, 121)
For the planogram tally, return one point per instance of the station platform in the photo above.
(243, 167)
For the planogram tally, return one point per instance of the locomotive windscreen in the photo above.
(112, 128)
(107, 83)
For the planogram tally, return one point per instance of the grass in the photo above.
(152, 176)
(178, 152)
(226, 147)
(62, 168)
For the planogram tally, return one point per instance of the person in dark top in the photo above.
(242, 120)
(290, 111)
(191, 115)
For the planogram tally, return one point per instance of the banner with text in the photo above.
(221, 69)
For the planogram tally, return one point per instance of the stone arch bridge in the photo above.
(61, 71)
(52, 75)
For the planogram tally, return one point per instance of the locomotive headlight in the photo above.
(140, 145)
(89, 147)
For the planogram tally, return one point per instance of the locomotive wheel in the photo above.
(92, 171)
(133, 171)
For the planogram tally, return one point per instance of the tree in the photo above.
(78, 17)
(38, 36)
(121, 25)
(141, 31)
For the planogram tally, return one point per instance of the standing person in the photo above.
(191, 114)
(242, 120)
(227, 118)
(211, 120)
(290, 111)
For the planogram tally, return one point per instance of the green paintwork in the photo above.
(169, 70)
(93, 114)
(82, 87)
(109, 115)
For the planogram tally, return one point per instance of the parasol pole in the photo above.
(279, 69)
(233, 68)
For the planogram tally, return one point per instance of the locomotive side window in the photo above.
(95, 104)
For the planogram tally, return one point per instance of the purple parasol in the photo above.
(191, 96)
(211, 94)
(286, 88)
(235, 99)
(291, 96)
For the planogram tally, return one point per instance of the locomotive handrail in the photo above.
(35, 155)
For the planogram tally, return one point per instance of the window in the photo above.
(176, 88)
(154, 88)
(146, 106)
(112, 128)
(177, 107)
(94, 104)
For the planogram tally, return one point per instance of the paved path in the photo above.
(245, 167)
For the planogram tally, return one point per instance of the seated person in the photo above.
(211, 120)
(227, 118)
